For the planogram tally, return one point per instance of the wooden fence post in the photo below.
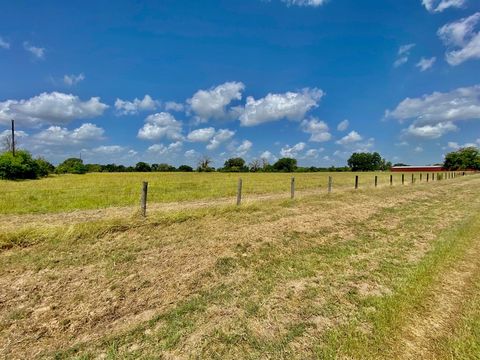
(391, 180)
(421, 177)
(413, 178)
(376, 180)
(330, 183)
(292, 188)
(428, 175)
(239, 192)
(143, 201)
(403, 179)
(356, 182)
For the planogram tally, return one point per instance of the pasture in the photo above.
(59, 193)
(363, 274)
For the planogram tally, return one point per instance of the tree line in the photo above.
(22, 165)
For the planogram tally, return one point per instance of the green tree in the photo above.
(367, 162)
(463, 159)
(185, 168)
(72, 166)
(235, 165)
(142, 167)
(20, 166)
(285, 165)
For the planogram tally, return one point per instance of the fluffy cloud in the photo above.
(201, 135)
(462, 39)
(273, 107)
(292, 151)
(56, 135)
(125, 107)
(267, 155)
(53, 108)
(456, 146)
(430, 131)
(342, 126)
(440, 5)
(311, 3)
(38, 52)
(71, 80)
(351, 138)
(108, 150)
(160, 149)
(174, 106)
(219, 138)
(212, 103)
(4, 44)
(425, 64)
(403, 54)
(436, 108)
(161, 125)
(243, 148)
(314, 153)
(317, 129)
(191, 154)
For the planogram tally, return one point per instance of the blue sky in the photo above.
(170, 81)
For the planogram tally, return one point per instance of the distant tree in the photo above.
(400, 164)
(285, 165)
(72, 166)
(463, 159)
(255, 165)
(185, 168)
(204, 164)
(366, 162)
(142, 167)
(94, 167)
(234, 165)
(6, 143)
(165, 168)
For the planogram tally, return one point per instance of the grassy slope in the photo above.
(92, 191)
(314, 278)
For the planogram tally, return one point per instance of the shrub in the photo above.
(20, 166)
(45, 167)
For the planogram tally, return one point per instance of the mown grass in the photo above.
(100, 190)
(321, 277)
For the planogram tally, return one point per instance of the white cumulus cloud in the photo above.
(52, 108)
(201, 135)
(60, 136)
(462, 38)
(292, 151)
(273, 107)
(351, 138)
(317, 129)
(457, 105)
(430, 131)
(212, 103)
(125, 107)
(243, 148)
(161, 125)
(219, 138)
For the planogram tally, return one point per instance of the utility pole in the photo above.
(13, 137)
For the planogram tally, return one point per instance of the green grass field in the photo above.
(354, 275)
(102, 190)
